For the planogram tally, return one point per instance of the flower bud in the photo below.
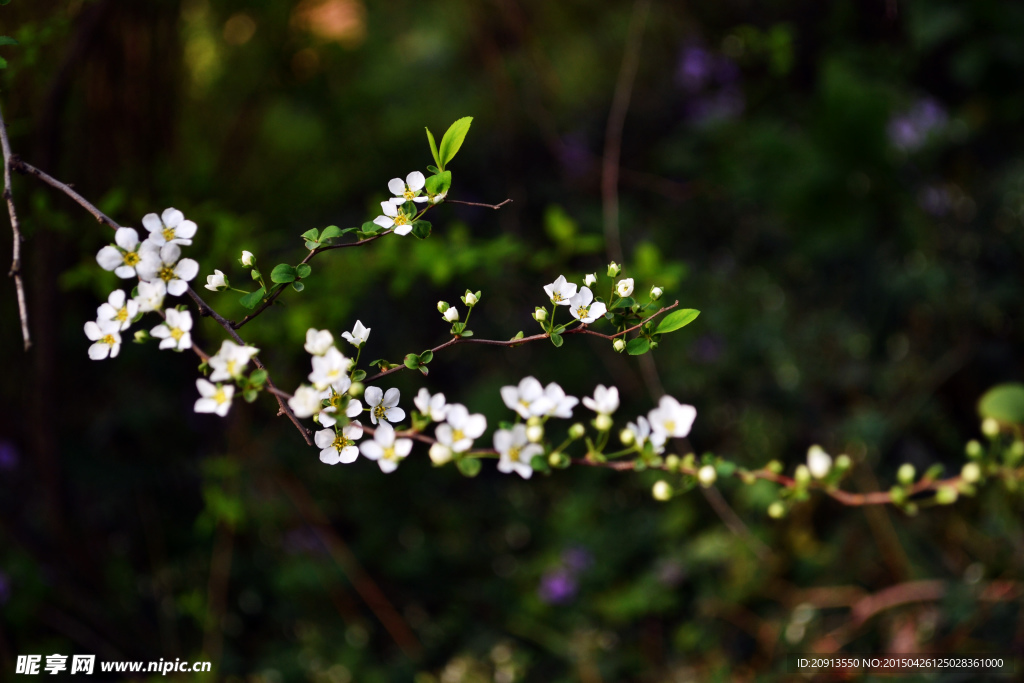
(603, 422)
(558, 460)
(905, 474)
(577, 431)
(990, 427)
(973, 449)
(707, 475)
(216, 282)
(802, 475)
(540, 315)
(470, 298)
(440, 454)
(971, 473)
(656, 293)
(356, 390)
(818, 462)
(619, 345)
(451, 314)
(442, 306)
(672, 462)
(777, 510)
(627, 437)
(775, 467)
(843, 462)
(141, 336)
(947, 495)
(534, 433)
(662, 490)
(624, 287)
(1016, 451)
(590, 279)
(613, 269)
(248, 259)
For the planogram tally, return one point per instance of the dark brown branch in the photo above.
(485, 206)
(22, 167)
(15, 271)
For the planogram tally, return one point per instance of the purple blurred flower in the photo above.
(8, 456)
(577, 559)
(5, 588)
(909, 130)
(934, 200)
(723, 105)
(695, 68)
(557, 586)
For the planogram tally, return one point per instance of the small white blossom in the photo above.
(540, 314)
(460, 428)
(440, 454)
(656, 293)
(119, 309)
(150, 296)
(527, 399)
(331, 370)
(395, 218)
(432, 406)
(384, 406)
(560, 404)
(306, 401)
(560, 291)
(624, 287)
(230, 360)
(341, 447)
(614, 269)
(707, 475)
(818, 462)
(353, 409)
(216, 398)
(248, 259)
(161, 263)
(125, 257)
(107, 338)
(471, 299)
(358, 336)
(515, 450)
(169, 227)
(619, 345)
(662, 490)
(385, 448)
(583, 308)
(408, 190)
(590, 280)
(175, 330)
(672, 418)
(640, 433)
(451, 314)
(318, 342)
(605, 401)
(216, 282)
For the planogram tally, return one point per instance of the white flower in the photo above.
(460, 428)
(527, 399)
(672, 418)
(818, 462)
(119, 309)
(451, 314)
(230, 360)
(385, 448)
(216, 282)
(590, 280)
(331, 369)
(440, 454)
(170, 227)
(656, 293)
(150, 296)
(641, 433)
(707, 475)
(583, 310)
(306, 401)
(515, 450)
(216, 398)
(560, 291)
(341, 447)
(248, 259)
(560, 404)
(107, 338)
(395, 218)
(161, 263)
(125, 257)
(384, 406)
(408, 190)
(353, 409)
(432, 406)
(662, 490)
(358, 336)
(439, 197)
(175, 330)
(318, 342)
(624, 287)
(605, 401)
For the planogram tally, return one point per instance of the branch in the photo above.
(15, 271)
(485, 206)
(22, 167)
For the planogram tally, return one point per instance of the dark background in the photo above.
(838, 187)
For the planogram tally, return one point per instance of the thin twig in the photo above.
(485, 206)
(15, 271)
(22, 167)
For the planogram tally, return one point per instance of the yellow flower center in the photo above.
(556, 297)
(458, 435)
(513, 454)
(670, 426)
(389, 454)
(231, 367)
(378, 412)
(122, 314)
(168, 234)
(583, 311)
(108, 340)
(401, 219)
(220, 396)
(340, 442)
(166, 274)
(408, 194)
(176, 333)
(131, 258)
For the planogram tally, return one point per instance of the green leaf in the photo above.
(371, 228)
(412, 361)
(424, 370)
(556, 339)
(677, 319)
(539, 463)
(359, 375)
(469, 466)
(433, 169)
(312, 245)
(1004, 403)
(282, 273)
(313, 235)
(426, 356)
(255, 273)
(252, 299)
(258, 377)
(7, 40)
(638, 346)
(452, 140)
(332, 231)
(624, 302)
(436, 184)
(519, 335)
(302, 270)
(250, 395)
(421, 229)
(298, 286)
(433, 148)
(466, 333)
(3, 63)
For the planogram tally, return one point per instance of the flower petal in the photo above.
(415, 181)
(127, 238)
(172, 217)
(396, 186)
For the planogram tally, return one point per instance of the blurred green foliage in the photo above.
(838, 187)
